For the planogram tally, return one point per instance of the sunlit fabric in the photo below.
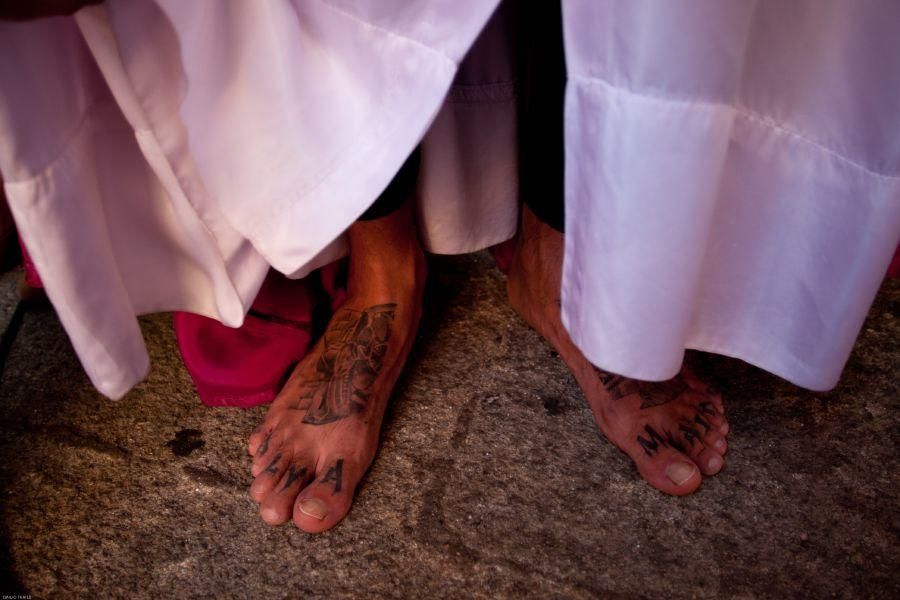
(732, 180)
(160, 156)
(732, 166)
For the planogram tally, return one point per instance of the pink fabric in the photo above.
(503, 254)
(894, 269)
(247, 366)
(31, 275)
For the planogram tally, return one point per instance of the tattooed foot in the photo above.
(673, 430)
(321, 432)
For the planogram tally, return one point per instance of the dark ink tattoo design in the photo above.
(652, 393)
(707, 408)
(293, 475)
(651, 446)
(335, 474)
(689, 433)
(354, 347)
(264, 447)
(701, 422)
(273, 466)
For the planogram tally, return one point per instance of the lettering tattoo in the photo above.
(651, 446)
(335, 474)
(689, 433)
(354, 347)
(293, 475)
(652, 393)
(264, 447)
(273, 466)
(701, 422)
(707, 408)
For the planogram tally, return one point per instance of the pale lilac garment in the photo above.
(732, 166)
(161, 155)
(732, 180)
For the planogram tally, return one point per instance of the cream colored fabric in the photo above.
(160, 156)
(732, 180)
(732, 166)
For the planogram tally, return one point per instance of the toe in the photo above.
(709, 461)
(716, 441)
(706, 419)
(260, 440)
(277, 507)
(670, 471)
(268, 476)
(271, 446)
(325, 502)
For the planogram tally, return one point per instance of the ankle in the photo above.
(389, 276)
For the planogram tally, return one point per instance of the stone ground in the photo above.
(492, 479)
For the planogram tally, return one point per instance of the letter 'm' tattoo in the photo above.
(335, 474)
(293, 475)
(673, 442)
(651, 446)
(354, 347)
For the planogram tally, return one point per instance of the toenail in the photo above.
(680, 472)
(720, 445)
(714, 464)
(313, 508)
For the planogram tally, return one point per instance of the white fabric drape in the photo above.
(732, 180)
(732, 166)
(160, 156)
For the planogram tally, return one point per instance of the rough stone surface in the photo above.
(492, 480)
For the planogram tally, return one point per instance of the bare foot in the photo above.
(673, 430)
(321, 432)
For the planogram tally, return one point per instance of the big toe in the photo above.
(670, 471)
(325, 502)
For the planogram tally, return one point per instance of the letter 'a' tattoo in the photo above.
(354, 348)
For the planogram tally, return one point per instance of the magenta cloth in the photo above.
(503, 254)
(31, 275)
(894, 269)
(247, 366)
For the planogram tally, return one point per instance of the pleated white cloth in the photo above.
(160, 156)
(732, 166)
(732, 180)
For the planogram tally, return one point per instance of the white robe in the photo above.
(161, 156)
(732, 180)
(732, 167)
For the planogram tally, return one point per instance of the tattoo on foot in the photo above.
(651, 446)
(293, 475)
(652, 393)
(689, 433)
(355, 345)
(273, 466)
(264, 447)
(335, 474)
(701, 422)
(708, 409)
